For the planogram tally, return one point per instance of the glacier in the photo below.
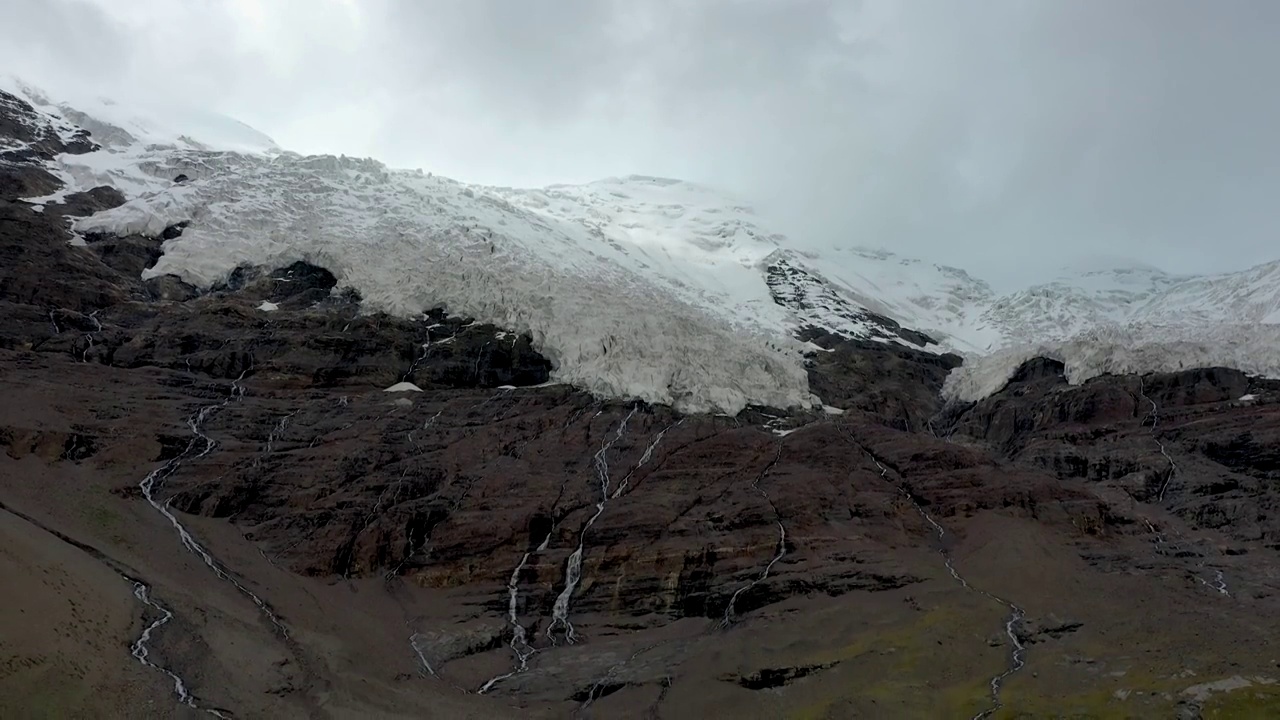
(1120, 349)
(633, 287)
(616, 320)
(1132, 320)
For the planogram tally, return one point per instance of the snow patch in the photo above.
(1125, 349)
(268, 306)
(943, 302)
(403, 387)
(1202, 691)
(121, 125)
(142, 149)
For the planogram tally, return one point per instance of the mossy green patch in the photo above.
(1139, 696)
(924, 665)
(103, 519)
(1260, 702)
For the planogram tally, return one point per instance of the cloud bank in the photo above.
(1006, 137)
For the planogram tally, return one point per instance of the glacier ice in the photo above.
(595, 306)
(636, 286)
(1119, 349)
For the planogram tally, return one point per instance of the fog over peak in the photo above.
(1008, 138)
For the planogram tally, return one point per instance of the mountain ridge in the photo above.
(654, 259)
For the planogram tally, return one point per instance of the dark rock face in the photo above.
(1183, 436)
(129, 255)
(39, 267)
(20, 123)
(777, 677)
(169, 288)
(799, 290)
(303, 282)
(898, 383)
(87, 203)
(682, 514)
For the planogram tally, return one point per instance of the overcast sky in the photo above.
(1002, 136)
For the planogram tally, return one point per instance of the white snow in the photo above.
(943, 302)
(122, 125)
(403, 387)
(690, 324)
(141, 148)
(1129, 348)
(268, 306)
(636, 287)
(1248, 398)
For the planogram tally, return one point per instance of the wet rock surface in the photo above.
(1185, 442)
(392, 553)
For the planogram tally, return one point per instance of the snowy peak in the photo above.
(655, 215)
(28, 131)
(1072, 305)
(134, 149)
(137, 127)
(1106, 263)
(635, 286)
(1248, 296)
(820, 305)
(1134, 321)
(668, 322)
(942, 302)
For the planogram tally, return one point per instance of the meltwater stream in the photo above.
(1017, 659)
(573, 571)
(1219, 582)
(201, 445)
(1154, 417)
(519, 643)
(781, 547)
(142, 653)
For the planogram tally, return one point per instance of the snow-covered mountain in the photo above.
(1072, 304)
(1133, 318)
(636, 286)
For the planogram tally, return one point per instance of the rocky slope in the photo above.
(211, 503)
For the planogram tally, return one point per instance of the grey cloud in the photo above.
(1004, 136)
(543, 60)
(61, 39)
